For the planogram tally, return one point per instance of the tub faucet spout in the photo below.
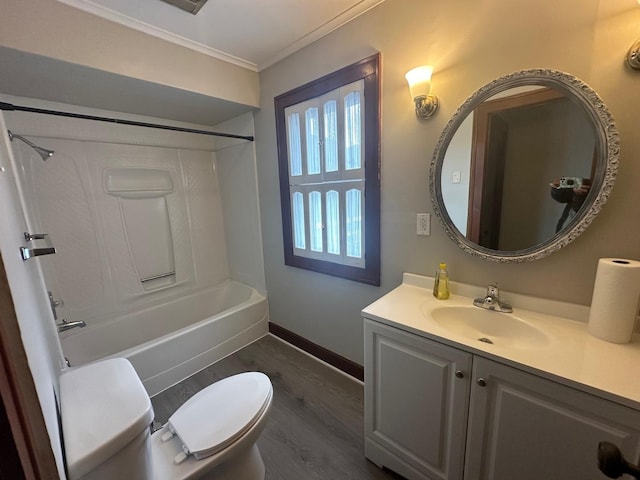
(491, 301)
(64, 325)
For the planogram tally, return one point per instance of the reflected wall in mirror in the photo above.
(524, 165)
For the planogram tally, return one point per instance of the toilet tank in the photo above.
(106, 414)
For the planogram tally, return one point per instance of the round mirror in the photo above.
(524, 165)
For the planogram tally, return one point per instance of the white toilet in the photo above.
(106, 417)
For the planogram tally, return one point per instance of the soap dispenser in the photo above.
(441, 283)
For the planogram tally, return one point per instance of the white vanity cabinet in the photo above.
(522, 426)
(490, 422)
(416, 403)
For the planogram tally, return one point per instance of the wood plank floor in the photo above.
(315, 429)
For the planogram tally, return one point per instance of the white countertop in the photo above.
(571, 356)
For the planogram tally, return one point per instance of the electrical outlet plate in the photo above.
(423, 224)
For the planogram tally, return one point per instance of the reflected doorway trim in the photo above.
(489, 133)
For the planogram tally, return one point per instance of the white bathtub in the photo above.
(170, 342)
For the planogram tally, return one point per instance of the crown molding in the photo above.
(119, 18)
(336, 22)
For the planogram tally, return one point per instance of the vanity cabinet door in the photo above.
(526, 427)
(416, 404)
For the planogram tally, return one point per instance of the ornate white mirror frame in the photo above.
(605, 161)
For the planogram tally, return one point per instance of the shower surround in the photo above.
(158, 245)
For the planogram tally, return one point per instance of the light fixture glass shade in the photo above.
(419, 80)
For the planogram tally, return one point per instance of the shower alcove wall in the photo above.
(158, 240)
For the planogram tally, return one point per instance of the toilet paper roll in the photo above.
(614, 305)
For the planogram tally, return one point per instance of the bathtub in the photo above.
(168, 343)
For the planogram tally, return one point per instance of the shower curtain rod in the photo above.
(10, 107)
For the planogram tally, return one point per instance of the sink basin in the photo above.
(504, 329)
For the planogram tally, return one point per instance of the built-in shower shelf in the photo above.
(142, 194)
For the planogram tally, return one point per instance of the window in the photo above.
(328, 155)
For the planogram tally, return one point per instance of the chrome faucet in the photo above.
(491, 301)
(64, 325)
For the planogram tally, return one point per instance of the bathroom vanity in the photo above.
(453, 391)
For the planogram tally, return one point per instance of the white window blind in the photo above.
(326, 175)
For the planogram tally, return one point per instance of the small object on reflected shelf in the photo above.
(441, 283)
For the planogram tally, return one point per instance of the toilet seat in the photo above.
(220, 414)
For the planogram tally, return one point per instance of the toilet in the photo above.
(106, 417)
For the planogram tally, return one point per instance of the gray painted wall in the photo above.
(469, 44)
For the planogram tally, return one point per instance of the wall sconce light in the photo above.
(419, 80)
(633, 55)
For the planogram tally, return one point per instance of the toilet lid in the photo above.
(103, 406)
(217, 416)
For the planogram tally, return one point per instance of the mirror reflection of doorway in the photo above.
(519, 145)
(490, 132)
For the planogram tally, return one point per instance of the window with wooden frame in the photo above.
(329, 159)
